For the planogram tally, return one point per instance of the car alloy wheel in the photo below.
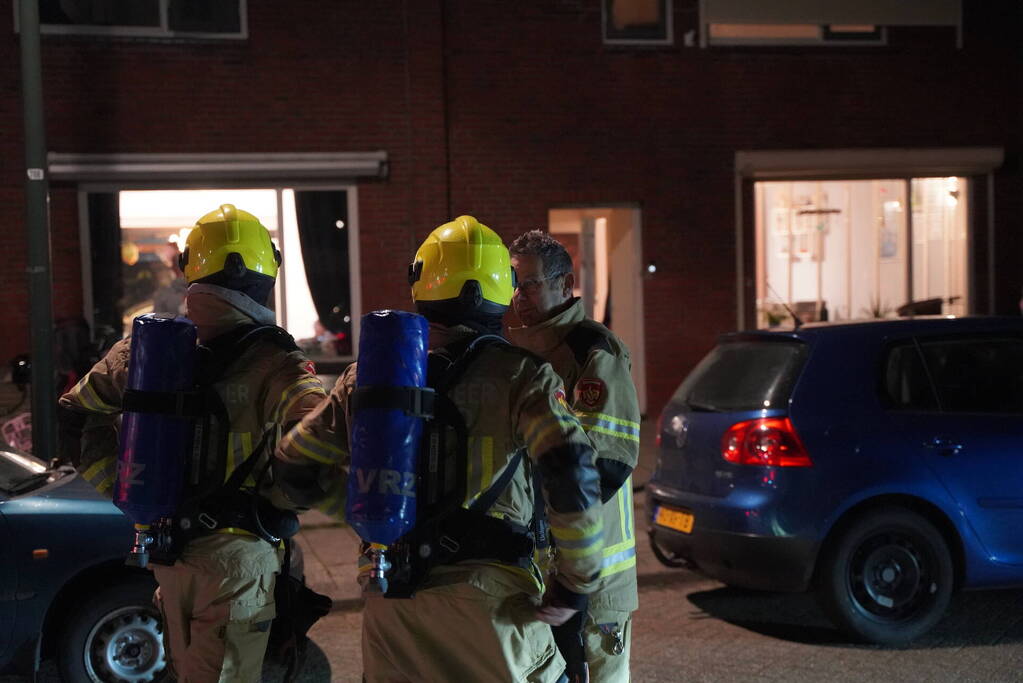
(126, 645)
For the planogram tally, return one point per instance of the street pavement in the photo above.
(689, 628)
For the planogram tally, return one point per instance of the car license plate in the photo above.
(679, 520)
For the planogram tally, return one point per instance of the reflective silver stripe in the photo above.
(609, 425)
(579, 543)
(629, 528)
(620, 556)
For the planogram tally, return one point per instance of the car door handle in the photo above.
(943, 446)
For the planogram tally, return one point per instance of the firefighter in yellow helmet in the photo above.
(596, 369)
(479, 614)
(216, 587)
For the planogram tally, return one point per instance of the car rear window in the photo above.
(744, 375)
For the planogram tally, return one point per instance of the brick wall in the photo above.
(507, 110)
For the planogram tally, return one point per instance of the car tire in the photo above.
(116, 635)
(888, 577)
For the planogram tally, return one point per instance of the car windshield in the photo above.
(19, 469)
(743, 375)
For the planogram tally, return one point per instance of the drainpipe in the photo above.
(37, 222)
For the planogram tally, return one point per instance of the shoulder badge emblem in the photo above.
(590, 393)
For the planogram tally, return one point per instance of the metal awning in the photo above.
(150, 168)
(849, 164)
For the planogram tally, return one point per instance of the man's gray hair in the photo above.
(556, 261)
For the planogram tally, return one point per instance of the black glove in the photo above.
(569, 637)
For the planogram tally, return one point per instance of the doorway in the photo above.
(606, 247)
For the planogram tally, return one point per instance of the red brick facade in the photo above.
(506, 110)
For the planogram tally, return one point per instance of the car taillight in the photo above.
(769, 441)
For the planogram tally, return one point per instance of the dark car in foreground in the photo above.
(65, 591)
(878, 463)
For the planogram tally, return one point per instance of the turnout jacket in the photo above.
(595, 367)
(266, 388)
(510, 400)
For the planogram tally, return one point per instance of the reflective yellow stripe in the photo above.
(333, 505)
(576, 553)
(621, 508)
(102, 474)
(610, 418)
(548, 422)
(232, 439)
(610, 433)
(91, 400)
(105, 486)
(286, 408)
(629, 530)
(305, 385)
(246, 451)
(618, 567)
(619, 547)
(471, 449)
(103, 465)
(487, 452)
(578, 532)
(607, 424)
(301, 439)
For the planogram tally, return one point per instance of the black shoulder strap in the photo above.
(490, 496)
(208, 465)
(451, 361)
(217, 355)
(583, 338)
(443, 479)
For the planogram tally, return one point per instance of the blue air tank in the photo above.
(381, 504)
(154, 447)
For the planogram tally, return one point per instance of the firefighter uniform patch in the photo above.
(560, 397)
(310, 367)
(590, 393)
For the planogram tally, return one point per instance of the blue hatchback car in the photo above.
(879, 463)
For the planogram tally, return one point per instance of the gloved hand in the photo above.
(555, 615)
(560, 604)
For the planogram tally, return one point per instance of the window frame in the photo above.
(669, 29)
(324, 366)
(162, 31)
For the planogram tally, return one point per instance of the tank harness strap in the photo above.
(414, 401)
(539, 526)
(487, 499)
(177, 403)
(447, 532)
(234, 506)
(211, 503)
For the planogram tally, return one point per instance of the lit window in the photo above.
(637, 22)
(312, 299)
(795, 34)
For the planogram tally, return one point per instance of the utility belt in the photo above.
(461, 536)
(243, 510)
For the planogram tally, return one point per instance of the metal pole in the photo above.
(37, 222)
